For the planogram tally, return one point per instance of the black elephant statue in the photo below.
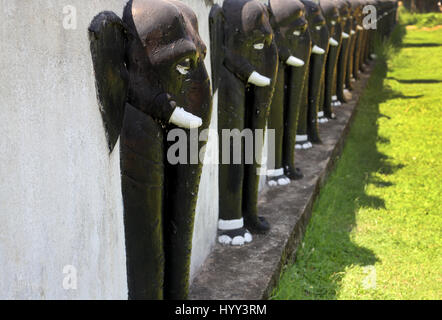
(342, 94)
(151, 78)
(287, 18)
(244, 66)
(308, 121)
(330, 11)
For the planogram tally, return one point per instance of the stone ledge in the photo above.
(251, 272)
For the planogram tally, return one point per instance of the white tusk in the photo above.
(182, 70)
(258, 80)
(295, 62)
(184, 119)
(297, 33)
(333, 42)
(317, 50)
(345, 35)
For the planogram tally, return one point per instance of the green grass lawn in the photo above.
(376, 229)
(431, 19)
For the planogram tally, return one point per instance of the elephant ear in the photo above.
(108, 40)
(216, 26)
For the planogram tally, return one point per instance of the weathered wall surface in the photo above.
(60, 193)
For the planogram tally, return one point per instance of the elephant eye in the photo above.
(258, 46)
(183, 67)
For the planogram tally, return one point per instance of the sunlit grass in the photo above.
(376, 228)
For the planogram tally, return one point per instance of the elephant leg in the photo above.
(182, 185)
(295, 80)
(351, 58)
(315, 82)
(258, 101)
(321, 114)
(363, 51)
(231, 114)
(142, 169)
(275, 173)
(302, 141)
(357, 56)
(182, 181)
(342, 70)
(330, 81)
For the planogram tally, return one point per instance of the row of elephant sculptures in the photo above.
(282, 65)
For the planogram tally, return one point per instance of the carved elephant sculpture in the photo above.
(244, 65)
(288, 21)
(308, 121)
(342, 93)
(150, 79)
(331, 14)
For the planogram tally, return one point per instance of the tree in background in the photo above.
(421, 5)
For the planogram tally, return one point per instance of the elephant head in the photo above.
(248, 38)
(344, 13)
(357, 13)
(317, 26)
(164, 47)
(331, 14)
(288, 23)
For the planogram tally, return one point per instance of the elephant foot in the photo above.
(302, 142)
(260, 225)
(321, 117)
(335, 102)
(277, 178)
(294, 174)
(233, 232)
(236, 237)
(347, 95)
(304, 146)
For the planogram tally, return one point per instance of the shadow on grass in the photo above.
(414, 81)
(421, 45)
(328, 249)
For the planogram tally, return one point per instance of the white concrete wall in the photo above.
(60, 194)
(206, 218)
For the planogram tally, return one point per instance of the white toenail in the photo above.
(238, 241)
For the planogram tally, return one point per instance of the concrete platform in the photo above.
(252, 271)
